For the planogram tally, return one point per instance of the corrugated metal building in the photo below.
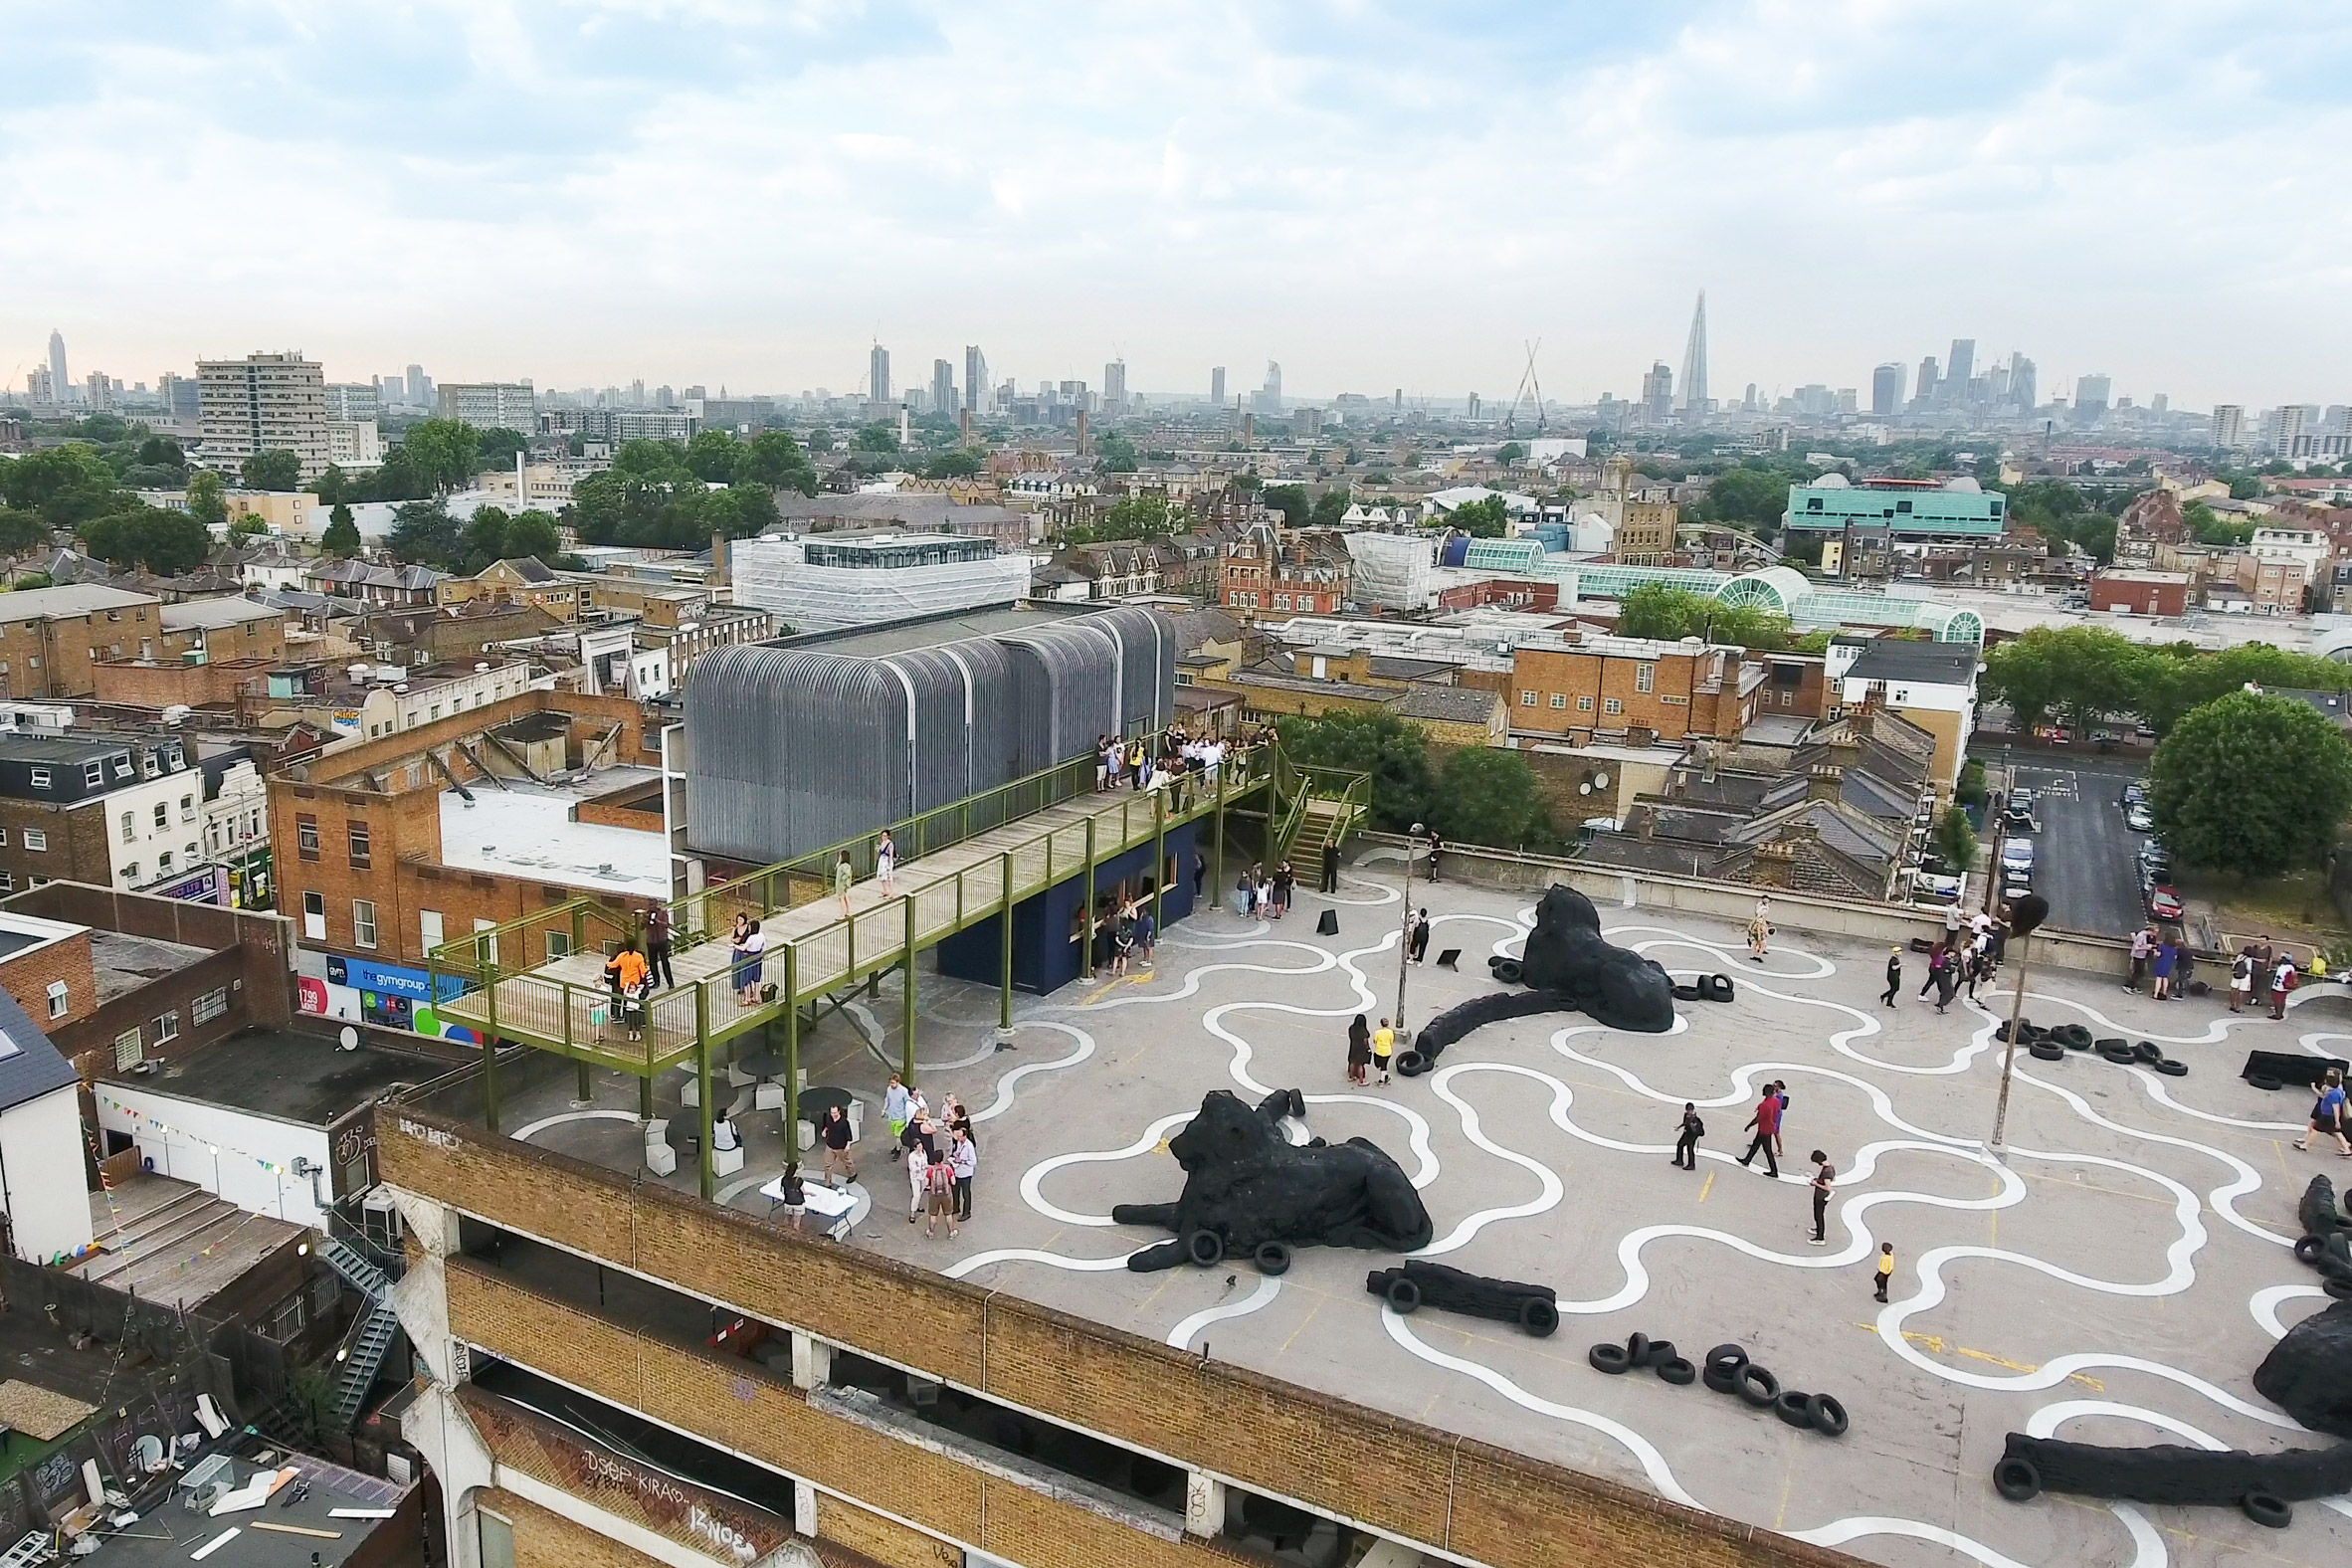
(804, 741)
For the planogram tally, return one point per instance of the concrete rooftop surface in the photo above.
(2117, 1282)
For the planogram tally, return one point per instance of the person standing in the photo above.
(886, 863)
(918, 1161)
(1760, 929)
(1359, 1051)
(940, 1194)
(1136, 758)
(1686, 1137)
(2327, 1114)
(897, 1105)
(1123, 940)
(842, 874)
(834, 1133)
(1823, 1174)
(1101, 763)
(2266, 965)
(1885, 1269)
(1330, 882)
(1435, 847)
(1200, 873)
(1947, 980)
(964, 1161)
(1418, 944)
(1384, 1044)
(1243, 892)
(656, 943)
(2161, 967)
(1147, 932)
(2143, 945)
(1952, 924)
(1284, 879)
(1895, 976)
(1766, 1126)
(748, 974)
(2241, 979)
(2282, 980)
(796, 1195)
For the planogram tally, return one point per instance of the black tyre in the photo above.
(2018, 1480)
(2074, 1045)
(1718, 988)
(1297, 1105)
(2173, 1069)
(1677, 1371)
(2104, 1044)
(1510, 971)
(2264, 1081)
(1828, 1416)
(2307, 1249)
(1661, 1350)
(2044, 1050)
(1685, 993)
(1637, 1350)
(2121, 1057)
(1794, 1408)
(1204, 1247)
(2337, 1288)
(1756, 1385)
(1411, 1063)
(2067, 1034)
(1273, 1259)
(2266, 1510)
(2148, 1051)
(1608, 1359)
(1404, 1294)
(1539, 1316)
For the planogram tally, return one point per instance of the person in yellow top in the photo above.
(1384, 1042)
(1886, 1267)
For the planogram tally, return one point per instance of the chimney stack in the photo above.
(1823, 782)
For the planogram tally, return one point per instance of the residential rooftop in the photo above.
(291, 1074)
(533, 830)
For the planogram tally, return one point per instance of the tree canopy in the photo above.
(1671, 614)
(1485, 518)
(652, 497)
(168, 543)
(1114, 453)
(68, 486)
(492, 534)
(2251, 783)
(443, 453)
(424, 533)
(1476, 795)
(1751, 500)
(2084, 675)
(341, 538)
(1144, 516)
(274, 470)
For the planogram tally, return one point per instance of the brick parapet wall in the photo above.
(1463, 1496)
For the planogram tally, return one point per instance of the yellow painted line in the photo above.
(1707, 1187)
(1935, 1344)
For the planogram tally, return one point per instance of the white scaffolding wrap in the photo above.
(1390, 571)
(862, 581)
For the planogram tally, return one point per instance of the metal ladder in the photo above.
(376, 1333)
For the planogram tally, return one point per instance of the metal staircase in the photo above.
(1319, 806)
(371, 1341)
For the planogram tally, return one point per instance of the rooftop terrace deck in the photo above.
(2117, 1282)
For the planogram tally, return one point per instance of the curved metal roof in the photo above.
(1776, 588)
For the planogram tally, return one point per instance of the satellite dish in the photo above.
(349, 1037)
(1601, 779)
(1586, 788)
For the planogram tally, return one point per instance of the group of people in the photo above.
(1261, 894)
(1771, 1110)
(1967, 954)
(940, 1152)
(1126, 935)
(631, 972)
(2260, 974)
(1177, 760)
(1369, 1051)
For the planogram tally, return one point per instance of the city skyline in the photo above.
(472, 186)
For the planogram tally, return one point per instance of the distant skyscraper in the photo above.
(1747, 404)
(942, 387)
(1472, 409)
(975, 378)
(180, 398)
(1959, 369)
(2160, 405)
(1657, 393)
(420, 387)
(1694, 363)
(263, 403)
(40, 387)
(2229, 426)
(61, 385)
(2090, 398)
(1886, 389)
(877, 374)
(2022, 390)
(1114, 386)
(1274, 386)
(1929, 380)
(1217, 386)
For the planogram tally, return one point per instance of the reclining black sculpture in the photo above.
(1533, 1308)
(1248, 1190)
(1570, 967)
(2308, 1373)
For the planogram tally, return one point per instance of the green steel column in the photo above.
(906, 1053)
(489, 1044)
(1216, 836)
(791, 994)
(1159, 853)
(1086, 938)
(702, 1085)
(645, 1096)
(1004, 951)
(587, 1090)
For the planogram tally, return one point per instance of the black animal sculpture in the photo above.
(2308, 1373)
(1248, 1190)
(1570, 967)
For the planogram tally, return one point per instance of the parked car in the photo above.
(2135, 793)
(2139, 819)
(2016, 885)
(2022, 796)
(2020, 819)
(2164, 904)
(1934, 879)
(2017, 855)
(2051, 735)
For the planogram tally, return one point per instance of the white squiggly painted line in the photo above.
(1268, 1288)
(1667, 937)
(1551, 1190)
(2216, 1032)
(531, 1130)
(1027, 1254)
(1004, 1084)
(1033, 1179)
(2264, 1305)
(2148, 1546)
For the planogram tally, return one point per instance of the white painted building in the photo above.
(221, 1150)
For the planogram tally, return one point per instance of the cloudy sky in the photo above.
(1376, 194)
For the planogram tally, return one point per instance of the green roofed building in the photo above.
(1905, 509)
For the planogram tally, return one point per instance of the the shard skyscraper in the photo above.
(1694, 400)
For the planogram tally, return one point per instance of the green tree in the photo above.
(956, 462)
(249, 527)
(2178, 678)
(1393, 751)
(68, 485)
(772, 458)
(423, 532)
(1291, 502)
(161, 452)
(877, 437)
(1509, 452)
(208, 499)
(274, 470)
(1486, 795)
(482, 539)
(495, 447)
(1489, 518)
(712, 454)
(534, 533)
(1114, 453)
(1955, 840)
(341, 538)
(1661, 611)
(1747, 499)
(21, 532)
(2081, 672)
(2210, 528)
(1331, 507)
(332, 486)
(168, 543)
(444, 453)
(2252, 784)
(1144, 516)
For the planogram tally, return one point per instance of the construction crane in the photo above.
(1530, 387)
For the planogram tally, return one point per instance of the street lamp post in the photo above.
(1405, 933)
(2025, 917)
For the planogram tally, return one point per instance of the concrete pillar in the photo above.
(1389, 1554)
(1204, 1505)
(803, 1509)
(812, 1361)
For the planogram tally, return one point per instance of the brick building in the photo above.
(50, 637)
(2140, 593)
(1280, 572)
(1646, 534)
(198, 630)
(1590, 687)
(115, 810)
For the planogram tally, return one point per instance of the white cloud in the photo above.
(1374, 195)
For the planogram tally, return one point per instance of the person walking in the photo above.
(1979, 967)
(2327, 1114)
(886, 863)
(1330, 882)
(1937, 958)
(1885, 1269)
(1359, 1051)
(1824, 1175)
(2241, 979)
(897, 1107)
(1780, 1091)
(844, 875)
(834, 1133)
(1417, 945)
(1766, 1126)
(1895, 976)
(1760, 929)
(2167, 953)
(963, 1161)
(656, 943)
(1135, 766)
(1686, 1137)
(2143, 944)
(2282, 980)
(2184, 968)
(1947, 980)
(1384, 1044)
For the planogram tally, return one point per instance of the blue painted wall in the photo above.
(1045, 955)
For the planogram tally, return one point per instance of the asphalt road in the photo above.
(2087, 862)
